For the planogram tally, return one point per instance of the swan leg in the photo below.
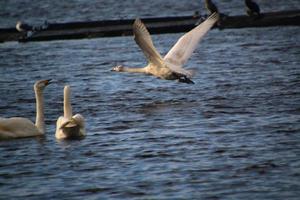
(184, 79)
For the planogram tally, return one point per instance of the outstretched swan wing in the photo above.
(143, 39)
(185, 46)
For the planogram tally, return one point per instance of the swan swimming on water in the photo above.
(68, 126)
(169, 67)
(17, 127)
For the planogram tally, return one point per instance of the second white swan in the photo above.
(68, 126)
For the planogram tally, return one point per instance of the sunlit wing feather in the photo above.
(143, 39)
(185, 46)
(187, 72)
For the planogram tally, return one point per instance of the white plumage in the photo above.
(17, 127)
(171, 66)
(68, 126)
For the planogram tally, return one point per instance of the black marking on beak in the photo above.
(48, 81)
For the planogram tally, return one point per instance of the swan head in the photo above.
(118, 68)
(67, 90)
(40, 85)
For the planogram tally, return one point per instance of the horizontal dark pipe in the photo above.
(159, 25)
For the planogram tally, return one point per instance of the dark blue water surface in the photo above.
(235, 134)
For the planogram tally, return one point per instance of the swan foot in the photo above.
(185, 79)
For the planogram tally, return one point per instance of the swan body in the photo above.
(68, 126)
(18, 127)
(171, 66)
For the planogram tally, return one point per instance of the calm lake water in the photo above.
(234, 134)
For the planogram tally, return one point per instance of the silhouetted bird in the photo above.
(252, 8)
(211, 7)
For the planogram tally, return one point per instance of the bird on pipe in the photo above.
(29, 30)
(253, 9)
(171, 66)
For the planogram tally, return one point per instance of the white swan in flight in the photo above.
(171, 66)
(68, 126)
(17, 127)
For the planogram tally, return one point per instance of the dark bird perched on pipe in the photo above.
(252, 9)
(30, 30)
(25, 28)
(21, 27)
(211, 7)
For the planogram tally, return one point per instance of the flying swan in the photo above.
(18, 127)
(169, 67)
(68, 126)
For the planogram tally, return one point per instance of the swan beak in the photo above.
(47, 82)
(118, 68)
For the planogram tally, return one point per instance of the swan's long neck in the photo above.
(135, 70)
(67, 103)
(39, 120)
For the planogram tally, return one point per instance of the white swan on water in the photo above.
(68, 126)
(17, 127)
(171, 66)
